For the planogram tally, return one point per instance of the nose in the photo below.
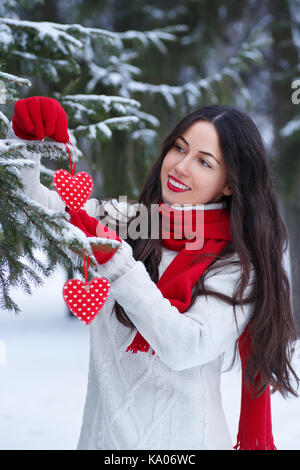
(182, 167)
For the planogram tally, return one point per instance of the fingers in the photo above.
(89, 222)
(39, 116)
(76, 220)
(35, 114)
(49, 114)
(22, 122)
(61, 125)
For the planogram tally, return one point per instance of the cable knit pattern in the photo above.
(170, 400)
(141, 401)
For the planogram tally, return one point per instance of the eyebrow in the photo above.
(200, 151)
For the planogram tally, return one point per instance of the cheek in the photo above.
(203, 179)
(164, 168)
(169, 161)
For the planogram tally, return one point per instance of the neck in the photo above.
(202, 207)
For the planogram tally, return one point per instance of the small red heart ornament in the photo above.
(73, 190)
(85, 300)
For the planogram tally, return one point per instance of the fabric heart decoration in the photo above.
(85, 300)
(73, 190)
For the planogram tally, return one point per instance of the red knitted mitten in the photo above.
(93, 228)
(38, 117)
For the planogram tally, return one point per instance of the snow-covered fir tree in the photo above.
(92, 72)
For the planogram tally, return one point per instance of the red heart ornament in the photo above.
(73, 190)
(85, 300)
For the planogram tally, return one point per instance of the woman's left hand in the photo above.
(118, 260)
(93, 228)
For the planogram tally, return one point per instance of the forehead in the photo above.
(202, 135)
(203, 130)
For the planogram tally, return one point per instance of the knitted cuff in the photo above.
(119, 264)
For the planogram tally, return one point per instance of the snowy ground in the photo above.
(43, 371)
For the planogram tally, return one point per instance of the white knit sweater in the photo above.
(170, 400)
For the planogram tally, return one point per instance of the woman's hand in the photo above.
(115, 263)
(93, 228)
(38, 117)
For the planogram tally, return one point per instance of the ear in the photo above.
(227, 191)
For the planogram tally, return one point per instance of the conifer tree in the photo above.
(91, 74)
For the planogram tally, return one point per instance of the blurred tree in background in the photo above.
(283, 66)
(171, 64)
(126, 72)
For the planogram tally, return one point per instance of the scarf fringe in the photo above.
(139, 344)
(255, 444)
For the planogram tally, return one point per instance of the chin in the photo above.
(167, 199)
(172, 201)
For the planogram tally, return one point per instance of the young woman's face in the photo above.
(188, 163)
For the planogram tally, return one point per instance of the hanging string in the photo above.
(72, 167)
(86, 264)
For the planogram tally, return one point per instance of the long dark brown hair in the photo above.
(259, 237)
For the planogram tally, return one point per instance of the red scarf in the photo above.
(178, 234)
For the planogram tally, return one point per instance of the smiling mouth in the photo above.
(175, 186)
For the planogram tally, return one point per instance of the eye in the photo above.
(178, 147)
(201, 160)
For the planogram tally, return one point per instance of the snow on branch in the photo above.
(90, 105)
(4, 125)
(78, 28)
(104, 128)
(17, 162)
(155, 37)
(104, 100)
(53, 150)
(63, 35)
(7, 77)
(62, 232)
(45, 30)
(152, 120)
(117, 73)
(50, 66)
(193, 90)
(7, 146)
(147, 135)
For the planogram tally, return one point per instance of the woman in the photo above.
(159, 343)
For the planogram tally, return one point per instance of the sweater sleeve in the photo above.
(189, 339)
(33, 188)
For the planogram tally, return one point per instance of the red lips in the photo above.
(173, 188)
(180, 182)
